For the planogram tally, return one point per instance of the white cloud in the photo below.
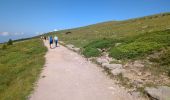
(55, 29)
(19, 33)
(39, 33)
(4, 33)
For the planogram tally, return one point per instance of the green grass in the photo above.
(145, 44)
(136, 35)
(101, 44)
(20, 66)
(139, 38)
(127, 29)
(91, 50)
(133, 50)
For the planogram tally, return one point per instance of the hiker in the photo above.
(51, 41)
(41, 37)
(56, 40)
(45, 38)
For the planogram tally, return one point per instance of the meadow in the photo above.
(20, 66)
(137, 39)
(115, 30)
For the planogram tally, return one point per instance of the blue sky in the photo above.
(30, 17)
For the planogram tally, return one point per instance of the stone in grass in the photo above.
(117, 44)
(112, 66)
(117, 71)
(138, 64)
(70, 46)
(146, 26)
(105, 65)
(102, 60)
(76, 49)
(61, 42)
(159, 93)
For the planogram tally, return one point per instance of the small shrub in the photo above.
(91, 52)
(4, 47)
(133, 50)
(116, 53)
(102, 43)
(10, 42)
(68, 32)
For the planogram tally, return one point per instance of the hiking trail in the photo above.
(69, 76)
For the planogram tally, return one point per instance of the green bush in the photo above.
(142, 44)
(10, 42)
(91, 52)
(102, 43)
(162, 37)
(133, 49)
(4, 47)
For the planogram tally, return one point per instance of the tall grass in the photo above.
(20, 66)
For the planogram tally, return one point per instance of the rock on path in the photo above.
(68, 76)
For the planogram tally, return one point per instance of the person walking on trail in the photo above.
(51, 41)
(45, 37)
(56, 40)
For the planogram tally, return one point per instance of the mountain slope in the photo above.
(116, 29)
(141, 46)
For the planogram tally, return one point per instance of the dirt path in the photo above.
(68, 76)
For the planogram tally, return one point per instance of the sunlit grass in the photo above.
(20, 66)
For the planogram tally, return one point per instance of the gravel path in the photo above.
(69, 76)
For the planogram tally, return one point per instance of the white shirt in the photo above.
(55, 38)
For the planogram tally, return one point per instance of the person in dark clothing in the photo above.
(51, 41)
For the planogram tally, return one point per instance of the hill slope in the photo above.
(137, 37)
(136, 42)
(116, 29)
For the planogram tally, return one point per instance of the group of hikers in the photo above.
(51, 40)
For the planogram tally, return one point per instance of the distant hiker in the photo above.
(56, 40)
(41, 37)
(45, 37)
(51, 41)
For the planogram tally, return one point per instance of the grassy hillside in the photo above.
(137, 38)
(116, 29)
(20, 65)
